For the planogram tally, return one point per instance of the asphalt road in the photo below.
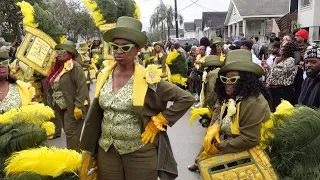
(186, 141)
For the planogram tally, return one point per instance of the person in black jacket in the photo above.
(310, 92)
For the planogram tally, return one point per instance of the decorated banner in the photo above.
(37, 50)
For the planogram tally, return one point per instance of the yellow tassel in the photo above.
(49, 127)
(198, 112)
(95, 11)
(35, 114)
(178, 79)
(44, 161)
(172, 56)
(28, 13)
(137, 13)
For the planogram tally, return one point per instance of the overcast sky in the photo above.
(189, 14)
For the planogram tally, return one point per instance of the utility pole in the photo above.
(176, 17)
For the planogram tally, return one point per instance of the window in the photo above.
(305, 3)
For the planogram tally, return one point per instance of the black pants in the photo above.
(279, 93)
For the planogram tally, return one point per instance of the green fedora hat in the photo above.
(241, 60)
(212, 60)
(68, 46)
(217, 40)
(83, 47)
(127, 28)
(4, 53)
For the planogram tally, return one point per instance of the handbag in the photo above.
(88, 170)
(251, 164)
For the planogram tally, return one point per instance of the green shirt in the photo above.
(120, 126)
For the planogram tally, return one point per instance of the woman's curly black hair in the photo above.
(289, 48)
(247, 86)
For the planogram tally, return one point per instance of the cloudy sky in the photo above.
(189, 14)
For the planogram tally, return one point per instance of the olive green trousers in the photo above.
(139, 165)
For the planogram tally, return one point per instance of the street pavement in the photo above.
(186, 140)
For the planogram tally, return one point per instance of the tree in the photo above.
(10, 18)
(163, 15)
(74, 17)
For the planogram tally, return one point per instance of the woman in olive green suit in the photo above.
(126, 124)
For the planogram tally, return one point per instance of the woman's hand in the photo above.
(213, 132)
(277, 60)
(77, 113)
(149, 133)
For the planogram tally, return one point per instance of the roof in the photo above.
(262, 7)
(198, 22)
(213, 19)
(189, 26)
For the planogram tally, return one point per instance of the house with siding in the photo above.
(255, 18)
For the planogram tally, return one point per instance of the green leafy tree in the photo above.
(10, 18)
(163, 16)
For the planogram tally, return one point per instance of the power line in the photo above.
(188, 5)
(207, 9)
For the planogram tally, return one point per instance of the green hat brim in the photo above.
(68, 48)
(129, 34)
(4, 55)
(243, 66)
(213, 63)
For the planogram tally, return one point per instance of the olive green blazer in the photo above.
(147, 102)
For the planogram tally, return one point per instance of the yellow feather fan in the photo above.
(172, 56)
(284, 109)
(28, 13)
(178, 79)
(95, 11)
(49, 127)
(62, 39)
(137, 13)
(198, 112)
(44, 161)
(37, 114)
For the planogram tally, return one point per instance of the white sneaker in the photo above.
(197, 98)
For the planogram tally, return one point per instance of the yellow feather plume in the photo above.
(28, 13)
(95, 11)
(137, 12)
(198, 112)
(178, 79)
(49, 127)
(62, 39)
(44, 161)
(284, 109)
(172, 56)
(35, 114)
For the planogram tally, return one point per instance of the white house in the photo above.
(255, 18)
(213, 24)
(199, 32)
(189, 30)
(309, 18)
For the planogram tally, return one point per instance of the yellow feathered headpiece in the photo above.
(28, 13)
